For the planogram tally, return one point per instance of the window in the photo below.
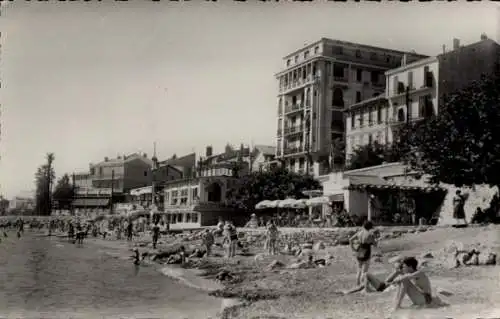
(308, 96)
(288, 62)
(173, 199)
(294, 100)
(296, 58)
(358, 53)
(338, 97)
(370, 138)
(361, 119)
(395, 82)
(145, 173)
(92, 171)
(373, 56)
(301, 163)
(358, 96)
(167, 197)
(194, 192)
(353, 120)
(100, 171)
(316, 50)
(188, 217)
(194, 218)
(379, 114)
(180, 217)
(370, 116)
(306, 54)
(359, 75)
(338, 71)
(375, 76)
(337, 50)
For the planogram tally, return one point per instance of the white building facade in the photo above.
(318, 82)
(377, 119)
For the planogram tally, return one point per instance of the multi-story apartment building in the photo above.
(415, 90)
(111, 179)
(318, 82)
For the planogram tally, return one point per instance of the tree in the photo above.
(459, 145)
(43, 179)
(337, 156)
(64, 192)
(269, 185)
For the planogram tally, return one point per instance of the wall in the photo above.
(458, 68)
(137, 174)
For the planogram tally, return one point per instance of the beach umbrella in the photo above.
(287, 203)
(299, 204)
(318, 201)
(264, 204)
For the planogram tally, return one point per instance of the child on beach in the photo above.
(365, 239)
(208, 241)
(272, 237)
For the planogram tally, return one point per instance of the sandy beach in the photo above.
(311, 293)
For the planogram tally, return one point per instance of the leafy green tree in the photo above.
(460, 145)
(64, 192)
(43, 181)
(269, 185)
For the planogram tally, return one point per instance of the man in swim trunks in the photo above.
(413, 283)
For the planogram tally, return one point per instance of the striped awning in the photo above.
(426, 189)
(91, 202)
(336, 198)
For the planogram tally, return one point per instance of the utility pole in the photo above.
(112, 190)
(408, 105)
(73, 195)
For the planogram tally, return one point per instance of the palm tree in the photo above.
(50, 159)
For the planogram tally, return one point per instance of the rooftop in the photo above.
(352, 44)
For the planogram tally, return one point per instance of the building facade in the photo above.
(415, 90)
(318, 82)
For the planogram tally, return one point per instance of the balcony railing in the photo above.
(298, 82)
(294, 108)
(293, 150)
(343, 79)
(294, 129)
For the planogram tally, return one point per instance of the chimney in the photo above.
(209, 151)
(484, 36)
(444, 49)
(456, 43)
(106, 159)
(404, 59)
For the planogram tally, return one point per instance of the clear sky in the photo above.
(95, 79)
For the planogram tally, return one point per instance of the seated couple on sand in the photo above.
(410, 281)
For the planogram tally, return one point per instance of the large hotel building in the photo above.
(318, 82)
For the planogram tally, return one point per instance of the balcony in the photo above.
(341, 80)
(294, 108)
(294, 129)
(293, 150)
(279, 132)
(298, 84)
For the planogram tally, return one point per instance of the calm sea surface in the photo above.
(51, 278)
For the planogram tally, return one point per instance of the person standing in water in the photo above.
(459, 207)
(365, 239)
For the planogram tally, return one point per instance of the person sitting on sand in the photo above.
(372, 283)
(366, 239)
(208, 241)
(414, 283)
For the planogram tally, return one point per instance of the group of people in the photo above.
(409, 279)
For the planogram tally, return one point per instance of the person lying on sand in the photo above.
(471, 258)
